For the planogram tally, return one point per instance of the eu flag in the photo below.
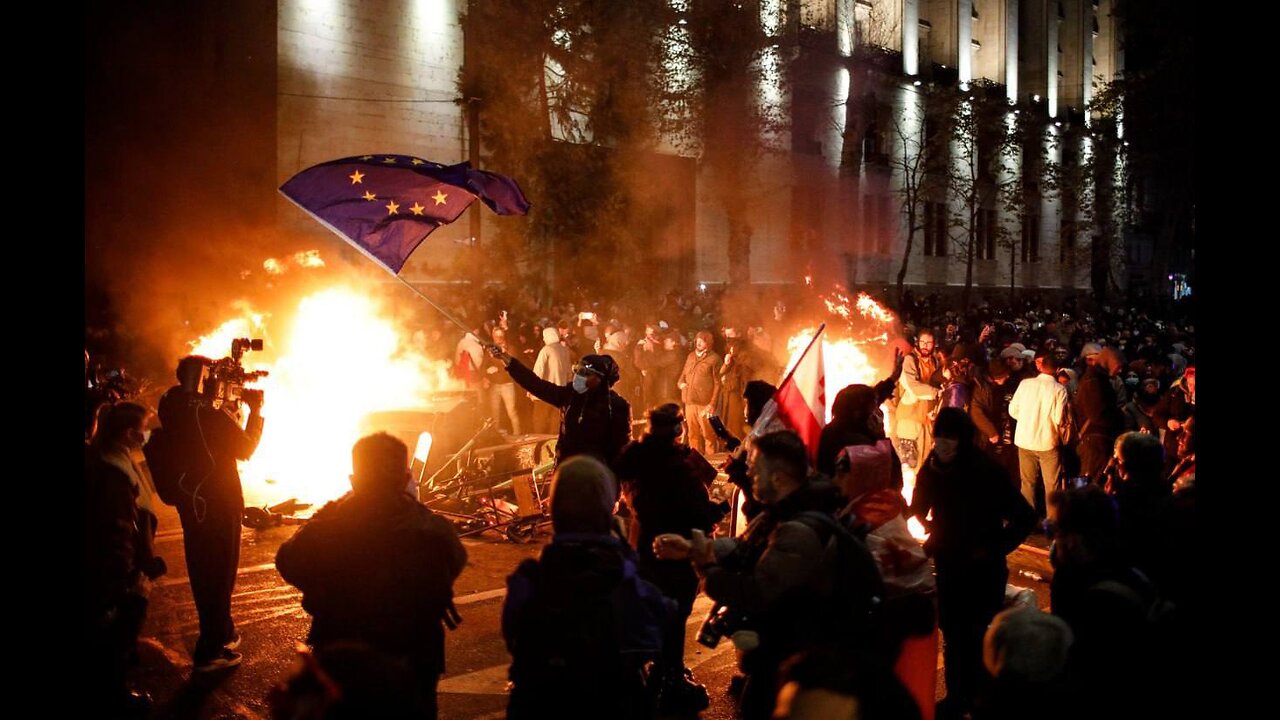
(386, 205)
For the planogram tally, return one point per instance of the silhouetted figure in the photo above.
(665, 484)
(208, 442)
(978, 519)
(579, 621)
(378, 567)
(118, 558)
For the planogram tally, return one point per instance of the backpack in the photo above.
(1157, 612)
(168, 465)
(858, 592)
(872, 466)
(576, 642)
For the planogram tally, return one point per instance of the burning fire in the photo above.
(305, 259)
(868, 307)
(847, 362)
(308, 259)
(337, 359)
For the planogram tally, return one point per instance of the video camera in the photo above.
(720, 621)
(114, 384)
(225, 379)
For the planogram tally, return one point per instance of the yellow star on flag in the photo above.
(417, 209)
(389, 161)
(416, 161)
(439, 197)
(369, 196)
(356, 177)
(366, 157)
(392, 207)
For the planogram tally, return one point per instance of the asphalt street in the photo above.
(271, 620)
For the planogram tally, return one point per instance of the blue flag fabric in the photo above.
(386, 205)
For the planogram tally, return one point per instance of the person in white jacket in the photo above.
(553, 365)
(1040, 406)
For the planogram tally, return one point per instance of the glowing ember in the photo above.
(338, 360)
(839, 304)
(846, 359)
(869, 308)
(309, 259)
(305, 259)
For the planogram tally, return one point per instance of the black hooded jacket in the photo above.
(851, 425)
(378, 569)
(595, 423)
(211, 442)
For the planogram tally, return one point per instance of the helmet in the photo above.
(602, 365)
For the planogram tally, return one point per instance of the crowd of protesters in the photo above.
(1077, 418)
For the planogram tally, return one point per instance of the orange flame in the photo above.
(868, 307)
(305, 259)
(908, 489)
(847, 362)
(218, 342)
(308, 259)
(338, 359)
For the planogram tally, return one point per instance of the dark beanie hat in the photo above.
(954, 423)
(757, 393)
(998, 368)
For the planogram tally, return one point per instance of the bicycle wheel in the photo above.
(521, 531)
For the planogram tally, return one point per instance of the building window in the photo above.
(1031, 237)
(880, 224)
(985, 235)
(1181, 287)
(935, 229)
(925, 58)
(1066, 239)
(869, 227)
(887, 223)
(874, 152)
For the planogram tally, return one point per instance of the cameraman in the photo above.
(777, 577)
(206, 443)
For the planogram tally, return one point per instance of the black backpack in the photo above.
(168, 464)
(569, 651)
(858, 593)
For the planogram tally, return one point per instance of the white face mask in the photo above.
(580, 384)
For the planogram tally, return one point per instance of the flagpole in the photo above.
(771, 407)
(430, 302)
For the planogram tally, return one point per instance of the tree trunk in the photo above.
(1013, 250)
(906, 252)
(971, 252)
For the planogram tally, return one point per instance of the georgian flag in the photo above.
(801, 400)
